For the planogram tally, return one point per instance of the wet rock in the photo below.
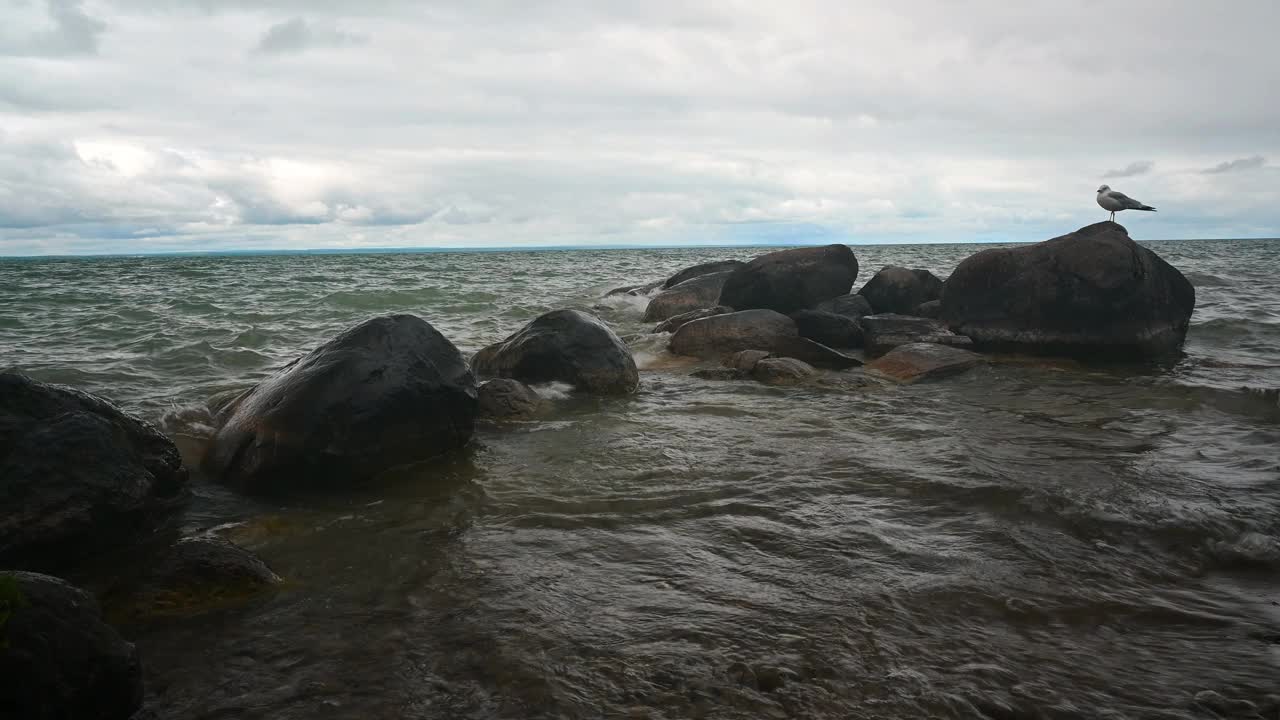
(745, 361)
(782, 371)
(1093, 292)
(770, 678)
(506, 399)
(830, 329)
(720, 373)
(853, 305)
(704, 269)
(77, 475)
(900, 290)
(790, 280)
(693, 294)
(931, 309)
(814, 353)
(882, 333)
(636, 290)
(713, 337)
(387, 392)
(566, 346)
(673, 324)
(193, 575)
(58, 659)
(915, 362)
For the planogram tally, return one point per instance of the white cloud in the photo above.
(299, 124)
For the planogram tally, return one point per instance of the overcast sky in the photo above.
(138, 125)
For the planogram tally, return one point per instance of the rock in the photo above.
(782, 371)
(673, 324)
(813, 353)
(694, 294)
(720, 373)
(790, 280)
(899, 290)
(923, 361)
(194, 574)
(719, 335)
(1093, 291)
(387, 392)
(830, 329)
(504, 399)
(77, 475)
(931, 309)
(745, 361)
(854, 306)
(704, 269)
(637, 290)
(566, 346)
(882, 333)
(58, 659)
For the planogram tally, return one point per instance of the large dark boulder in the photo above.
(1092, 292)
(387, 392)
(720, 335)
(882, 333)
(852, 305)
(899, 290)
(673, 324)
(708, 268)
(58, 659)
(566, 346)
(837, 331)
(77, 475)
(790, 280)
(693, 294)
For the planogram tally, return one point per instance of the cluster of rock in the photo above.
(77, 474)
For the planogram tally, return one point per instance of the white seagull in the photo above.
(1116, 201)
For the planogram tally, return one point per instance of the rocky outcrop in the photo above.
(693, 294)
(389, 391)
(77, 475)
(568, 346)
(673, 324)
(899, 290)
(720, 335)
(916, 362)
(708, 268)
(58, 659)
(193, 575)
(506, 399)
(1092, 292)
(882, 333)
(790, 280)
(830, 329)
(854, 306)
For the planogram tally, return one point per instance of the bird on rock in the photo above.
(1116, 201)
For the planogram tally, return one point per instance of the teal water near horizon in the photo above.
(1035, 539)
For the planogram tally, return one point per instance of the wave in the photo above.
(384, 299)
(1200, 279)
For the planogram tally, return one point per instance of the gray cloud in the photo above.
(1248, 163)
(1141, 167)
(298, 34)
(73, 31)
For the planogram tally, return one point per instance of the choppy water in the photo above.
(1031, 540)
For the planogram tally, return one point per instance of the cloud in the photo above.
(73, 31)
(1248, 163)
(297, 35)
(1141, 167)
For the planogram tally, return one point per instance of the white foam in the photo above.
(553, 390)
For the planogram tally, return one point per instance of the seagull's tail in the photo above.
(1147, 207)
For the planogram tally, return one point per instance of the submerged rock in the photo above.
(853, 305)
(708, 268)
(693, 294)
(882, 333)
(566, 346)
(387, 392)
(58, 659)
(899, 290)
(782, 371)
(636, 290)
(923, 361)
(729, 333)
(194, 574)
(830, 329)
(790, 280)
(77, 475)
(745, 360)
(506, 399)
(1093, 291)
(673, 324)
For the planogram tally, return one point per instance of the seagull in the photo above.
(1116, 201)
